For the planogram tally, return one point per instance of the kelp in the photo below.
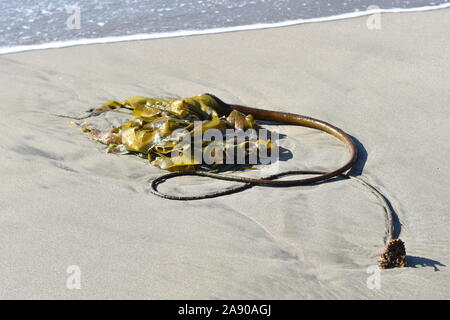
(162, 130)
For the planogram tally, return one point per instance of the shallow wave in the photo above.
(183, 33)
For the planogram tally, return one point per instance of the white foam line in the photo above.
(184, 33)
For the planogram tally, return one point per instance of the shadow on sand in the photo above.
(416, 262)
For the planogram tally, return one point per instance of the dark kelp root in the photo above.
(394, 255)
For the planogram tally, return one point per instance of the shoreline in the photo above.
(187, 33)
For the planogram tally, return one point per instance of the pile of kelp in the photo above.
(162, 130)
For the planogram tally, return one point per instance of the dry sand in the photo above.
(63, 201)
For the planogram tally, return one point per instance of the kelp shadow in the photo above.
(358, 167)
(415, 262)
(284, 154)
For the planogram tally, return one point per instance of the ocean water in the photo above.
(32, 24)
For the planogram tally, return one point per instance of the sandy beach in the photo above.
(65, 202)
